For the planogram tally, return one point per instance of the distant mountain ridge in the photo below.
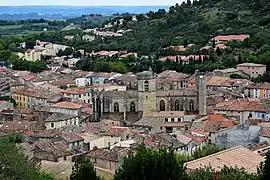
(62, 12)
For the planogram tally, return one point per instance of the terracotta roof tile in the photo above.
(265, 131)
(240, 37)
(58, 149)
(63, 82)
(68, 105)
(116, 131)
(71, 137)
(236, 156)
(216, 117)
(74, 91)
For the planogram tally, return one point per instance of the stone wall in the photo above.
(241, 135)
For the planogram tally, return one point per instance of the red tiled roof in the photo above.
(74, 91)
(254, 121)
(204, 133)
(116, 131)
(240, 37)
(127, 55)
(265, 131)
(2, 69)
(241, 104)
(68, 105)
(63, 82)
(215, 117)
(88, 110)
(221, 46)
(226, 124)
(71, 137)
(236, 156)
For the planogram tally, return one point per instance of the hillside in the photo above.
(195, 23)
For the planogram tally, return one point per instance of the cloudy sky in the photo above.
(87, 2)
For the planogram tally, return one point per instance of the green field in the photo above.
(9, 27)
(19, 30)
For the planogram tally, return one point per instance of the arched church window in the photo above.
(146, 85)
(116, 107)
(162, 105)
(191, 105)
(177, 105)
(132, 107)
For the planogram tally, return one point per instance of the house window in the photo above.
(52, 125)
(162, 105)
(146, 85)
(160, 127)
(177, 105)
(191, 105)
(172, 119)
(179, 120)
(166, 119)
(65, 158)
(132, 107)
(95, 160)
(116, 107)
(80, 96)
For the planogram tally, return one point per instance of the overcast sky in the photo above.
(87, 2)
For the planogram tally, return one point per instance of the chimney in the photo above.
(201, 90)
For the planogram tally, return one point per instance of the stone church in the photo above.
(153, 94)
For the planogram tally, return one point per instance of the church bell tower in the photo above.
(147, 92)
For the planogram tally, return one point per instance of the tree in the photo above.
(213, 43)
(149, 164)
(68, 51)
(264, 169)
(127, 18)
(206, 173)
(140, 17)
(226, 173)
(236, 76)
(14, 164)
(83, 169)
(205, 151)
(77, 54)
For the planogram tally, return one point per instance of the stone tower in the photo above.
(147, 92)
(201, 87)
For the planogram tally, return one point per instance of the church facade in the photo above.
(149, 98)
